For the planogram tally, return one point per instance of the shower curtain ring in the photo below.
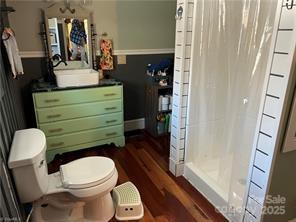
(289, 7)
(179, 13)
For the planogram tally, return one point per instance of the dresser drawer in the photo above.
(67, 140)
(76, 125)
(46, 115)
(67, 97)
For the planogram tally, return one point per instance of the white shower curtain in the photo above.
(230, 51)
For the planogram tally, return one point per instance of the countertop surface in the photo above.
(40, 86)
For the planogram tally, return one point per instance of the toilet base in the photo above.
(59, 208)
(101, 209)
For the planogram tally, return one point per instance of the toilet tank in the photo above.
(27, 161)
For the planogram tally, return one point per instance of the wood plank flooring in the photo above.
(144, 161)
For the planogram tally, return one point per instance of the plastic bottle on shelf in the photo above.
(160, 103)
(167, 121)
(165, 103)
(170, 122)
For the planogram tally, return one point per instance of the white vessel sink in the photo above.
(76, 77)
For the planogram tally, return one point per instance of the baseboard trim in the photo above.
(40, 54)
(176, 168)
(134, 124)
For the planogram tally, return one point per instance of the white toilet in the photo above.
(80, 191)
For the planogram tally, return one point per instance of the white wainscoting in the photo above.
(183, 44)
(267, 143)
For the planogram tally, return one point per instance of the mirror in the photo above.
(68, 35)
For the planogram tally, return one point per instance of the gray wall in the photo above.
(10, 210)
(33, 68)
(10, 207)
(133, 25)
(132, 74)
(141, 24)
(284, 184)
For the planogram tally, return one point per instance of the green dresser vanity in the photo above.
(78, 111)
(78, 118)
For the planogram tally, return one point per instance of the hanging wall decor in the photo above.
(106, 60)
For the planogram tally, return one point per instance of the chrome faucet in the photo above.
(60, 60)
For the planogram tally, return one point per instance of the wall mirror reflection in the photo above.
(68, 36)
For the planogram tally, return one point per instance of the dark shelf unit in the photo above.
(153, 91)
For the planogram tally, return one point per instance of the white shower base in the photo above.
(205, 183)
(211, 169)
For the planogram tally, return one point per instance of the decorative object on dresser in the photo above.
(78, 118)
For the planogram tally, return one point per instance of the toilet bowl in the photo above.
(79, 191)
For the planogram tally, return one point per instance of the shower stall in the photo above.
(230, 55)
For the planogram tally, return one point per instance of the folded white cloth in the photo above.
(13, 54)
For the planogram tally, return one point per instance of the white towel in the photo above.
(13, 54)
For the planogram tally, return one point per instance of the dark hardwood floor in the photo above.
(144, 161)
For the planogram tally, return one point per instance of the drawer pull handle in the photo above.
(110, 108)
(51, 100)
(55, 130)
(110, 94)
(111, 121)
(57, 144)
(54, 116)
(111, 134)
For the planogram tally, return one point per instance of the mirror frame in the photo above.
(54, 11)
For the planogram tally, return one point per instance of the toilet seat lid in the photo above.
(86, 172)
